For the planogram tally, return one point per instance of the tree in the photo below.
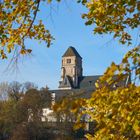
(46, 96)
(4, 88)
(31, 106)
(18, 22)
(107, 106)
(15, 90)
(32, 102)
(27, 86)
(110, 16)
(21, 132)
(22, 112)
(116, 110)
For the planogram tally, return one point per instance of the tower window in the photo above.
(68, 60)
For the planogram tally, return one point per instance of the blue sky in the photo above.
(66, 25)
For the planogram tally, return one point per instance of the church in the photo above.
(72, 81)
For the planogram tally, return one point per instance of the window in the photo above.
(68, 60)
(90, 83)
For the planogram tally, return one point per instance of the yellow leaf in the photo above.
(96, 85)
(23, 51)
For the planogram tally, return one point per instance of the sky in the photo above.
(64, 21)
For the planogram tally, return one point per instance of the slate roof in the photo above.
(71, 51)
(85, 88)
(88, 82)
(77, 93)
(84, 82)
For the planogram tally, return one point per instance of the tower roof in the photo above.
(71, 51)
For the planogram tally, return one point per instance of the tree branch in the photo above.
(35, 14)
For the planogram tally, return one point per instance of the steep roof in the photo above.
(71, 51)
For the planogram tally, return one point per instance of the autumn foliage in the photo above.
(19, 23)
(115, 107)
(113, 16)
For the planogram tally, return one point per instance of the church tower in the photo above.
(71, 70)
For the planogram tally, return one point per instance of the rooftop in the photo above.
(71, 51)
